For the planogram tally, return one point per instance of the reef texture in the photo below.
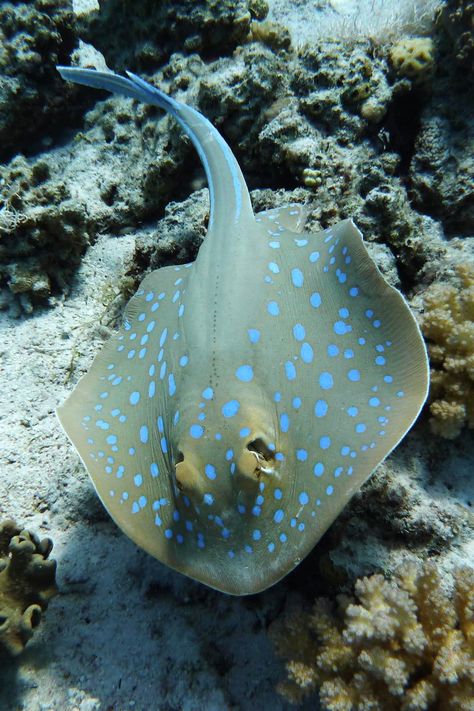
(210, 27)
(34, 37)
(448, 326)
(347, 124)
(27, 583)
(43, 232)
(404, 644)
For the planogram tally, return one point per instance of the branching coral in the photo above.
(448, 325)
(27, 582)
(397, 645)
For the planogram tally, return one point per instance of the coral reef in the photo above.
(27, 583)
(448, 326)
(456, 19)
(413, 57)
(34, 37)
(404, 644)
(210, 27)
(43, 232)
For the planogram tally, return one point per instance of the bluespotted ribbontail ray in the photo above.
(248, 395)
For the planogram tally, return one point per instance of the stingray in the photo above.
(248, 394)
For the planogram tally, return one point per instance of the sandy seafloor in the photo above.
(125, 632)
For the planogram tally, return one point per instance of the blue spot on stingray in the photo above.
(277, 494)
(134, 397)
(183, 361)
(348, 353)
(329, 490)
(277, 397)
(274, 245)
(318, 469)
(388, 378)
(274, 267)
(380, 360)
(303, 498)
(353, 291)
(326, 381)
(321, 408)
(159, 423)
(196, 431)
(273, 308)
(163, 370)
(279, 516)
(297, 278)
(315, 300)
(163, 336)
(341, 328)
(154, 471)
(306, 353)
(210, 471)
(171, 384)
(299, 332)
(301, 455)
(256, 535)
(271, 547)
(164, 445)
(111, 439)
(244, 432)
(332, 350)
(325, 442)
(138, 480)
(208, 393)
(230, 408)
(353, 375)
(290, 370)
(313, 257)
(296, 402)
(283, 537)
(360, 427)
(284, 422)
(254, 335)
(244, 373)
(352, 411)
(369, 313)
(376, 323)
(374, 402)
(143, 434)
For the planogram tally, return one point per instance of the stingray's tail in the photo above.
(133, 87)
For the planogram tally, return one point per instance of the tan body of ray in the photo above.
(250, 394)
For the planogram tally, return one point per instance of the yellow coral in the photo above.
(398, 645)
(413, 58)
(448, 326)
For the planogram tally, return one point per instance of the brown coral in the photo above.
(448, 326)
(27, 582)
(397, 645)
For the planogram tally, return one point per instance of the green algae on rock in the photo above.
(27, 583)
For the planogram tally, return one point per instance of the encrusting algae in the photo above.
(448, 326)
(27, 583)
(396, 645)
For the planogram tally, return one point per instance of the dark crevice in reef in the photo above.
(402, 123)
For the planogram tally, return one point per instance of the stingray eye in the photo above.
(180, 457)
(261, 449)
(256, 459)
